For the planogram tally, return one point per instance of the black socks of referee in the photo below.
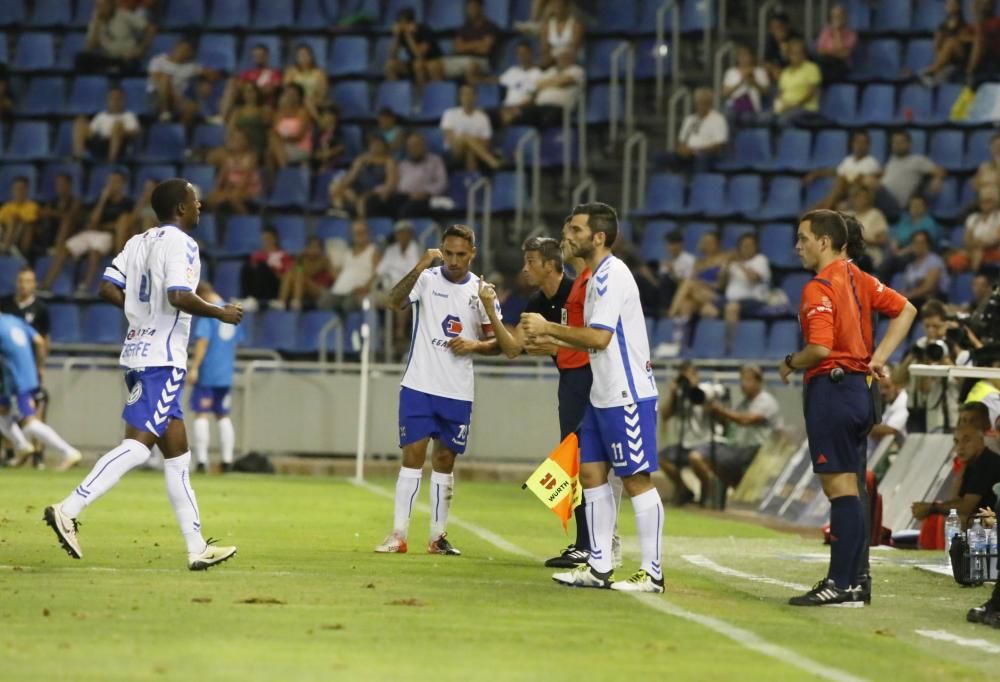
(582, 531)
(847, 533)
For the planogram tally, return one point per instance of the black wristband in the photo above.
(788, 360)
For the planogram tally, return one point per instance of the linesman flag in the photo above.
(557, 481)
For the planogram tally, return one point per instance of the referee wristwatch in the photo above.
(788, 361)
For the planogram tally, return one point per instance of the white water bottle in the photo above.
(952, 527)
(991, 544)
(977, 552)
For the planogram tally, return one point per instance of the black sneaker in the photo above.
(570, 558)
(440, 545)
(985, 614)
(863, 590)
(199, 468)
(826, 593)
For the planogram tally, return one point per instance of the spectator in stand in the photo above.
(561, 33)
(747, 282)
(982, 235)
(952, 41)
(354, 273)
(904, 175)
(389, 129)
(926, 275)
(238, 183)
(699, 291)
(982, 288)
(475, 45)
(18, 218)
(984, 56)
(421, 176)
(307, 73)
(418, 41)
(373, 173)
(250, 115)
(779, 34)
(798, 87)
(401, 255)
(895, 412)
(916, 218)
(467, 132)
(142, 217)
(835, 46)
(171, 79)
(208, 99)
(58, 216)
(290, 140)
(260, 277)
(875, 228)
(264, 77)
(328, 142)
(988, 173)
(108, 133)
(520, 83)
(703, 136)
(96, 239)
(677, 266)
(118, 35)
(558, 88)
(305, 283)
(858, 168)
(744, 86)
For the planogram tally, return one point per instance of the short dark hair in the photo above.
(167, 196)
(20, 178)
(262, 46)
(271, 230)
(600, 218)
(978, 414)
(926, 234)
(547, 248)
(675, 237)
(463, 231)
(748, 235)
(829, 224)
(933, 308)
(862, 133)
(901, 131)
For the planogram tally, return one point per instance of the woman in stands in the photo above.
(306, 282)
(925, 276)
(982, 234)
(988, 173)
(952, 41)
(374, 172)
(251, 115)
(291, 135)
(698, 294)
(562, 32)
(305, 72)
(835, 46)
(238, 183)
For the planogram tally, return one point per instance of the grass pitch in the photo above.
(306, 599)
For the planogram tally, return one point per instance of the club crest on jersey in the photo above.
(135, 394)
(473, 302)
(451, 326)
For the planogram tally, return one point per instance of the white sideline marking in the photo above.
(704, 562)
(745, 638)
(945, 636)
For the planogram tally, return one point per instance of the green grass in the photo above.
(333, 610)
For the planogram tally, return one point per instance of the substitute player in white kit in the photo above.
(435, 395)
(154, 280)
(619, 426)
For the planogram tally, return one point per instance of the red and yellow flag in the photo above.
(557, 481)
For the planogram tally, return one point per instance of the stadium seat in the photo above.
(202, 176)
(84, 11)
(783, 334)
(9, 267)
(945, 205)
(599, 104)
(792, 286)
(12, 13)
(4, 52)
(919, 55)
(830, 149)
(445, 15)
(395, 95)
(749, 340)
(88, 96)
(313, 13)
(979, 148)
(499, 11)
(157, 172)
(291, 188)
(437, 96)
(878, 105)
(206, 232)
(664, 195)
(277, 330)
(599, 58)
(697, 15)
(744, 195)
(616, 18)
(227, 279)
(229, 14)
(29, 141)
(181, 14)
(218, 51)
(103, 323)
(707, 195)
(35, 52)
(354, 99)
(136, 98)
(65, 320)
(69, 47)
(379, 229)
(751, 148)
(793, 152)
(505, 192)
(645, 59)
(334, 228)
(818, 189)
(646, 24)
(708, 341)
(893, 17)
(62, 286)
(928, 15)
(947, 149)
(45, 96)
(654, 245)
(291, 232)
(916, 104)
(51, 13)
(47, 188)
(352, 332)
(165, 143)
(944, 99)
(882, 61)
(777, 242)
(693, 232)
(784, 199)
(838, 103)
(961, 288)
(663, 331)
(732, 232)
(9, 171)
(310, 325)
(208, 136)
(242, 235)
(985, 105)
(878, 144)
(272, 16)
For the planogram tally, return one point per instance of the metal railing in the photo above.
(684, 97)
(663, 50)
(579, 106)
(529, 138)
(725, 49)
(481, 186)
(432, 230)
(587, 185)
(636, 154)
(627, 50)
(335, 324)
(762, 14)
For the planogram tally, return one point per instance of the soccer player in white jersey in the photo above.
(435, 395)
(619, 426)
(153, 279)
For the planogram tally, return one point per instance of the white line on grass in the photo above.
(704, 562)
(745, 638)
(945, 636)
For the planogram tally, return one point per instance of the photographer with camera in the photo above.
(690, 432)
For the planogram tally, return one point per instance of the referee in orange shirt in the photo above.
(836, 319)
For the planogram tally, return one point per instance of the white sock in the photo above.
(227, 439)
(182, 499)
(649, 522)
(36, 428)
(407, 487)
(200, 438)
(442, 486)
(601, 515)
(109, 469)
(616, 488)
(12, 432)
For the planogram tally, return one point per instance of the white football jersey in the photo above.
(443, 310)
(623, 373)
(159, 260)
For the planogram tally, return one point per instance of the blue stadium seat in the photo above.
(208, 136)
(445, 15)
(103, 323)
(84, 11)
(818, 189)
(354, 100)
(751, 148)
(784, 199)
(599, 104)
(395, 95)
(334, 228)
(599, 57)
(65, 318)
(206, 233)
(69, 47)
(784, 334)
(270, 16)
(35, 52)
(313, 13)
(697, 15)
(291, 231)
(663, 332)
(12, 13)
(4, 58)
(458, 186)
(653, 246)
(793, 151)
(944, 98)
(348, 56)
(749, 340)
(182, 14)
(291, 188)
(616, 18)
(488, 95)
(882, 61)
(979, 148)
(97, 178)
(45, 96)
(9, 267)
(437, 96)
(708, 341)
(792, 286)
(352, 332)
(392, 7)
(928, 15)
(664, 195)
(47, 189)
(707, 195)
(878, 105)
(919, 55)
(355, 143)
(918, 140)
(499, 11)
(62, 286)
(151, 171)
(218, 51)
(51, 13)
(310, 326)
(693, 232)
(916, 103)
(830, 148)
(893, 17)
(947, 149)
(229, 14)
(162, 42)
(777, 242)
(838, 103)
(645, 59)
(88, 95)
(227, 280)
(242, 235)
(165, 143)
(379, 229)
(732, 232)
(202, 176)
(945, 205)
(961, 288)
(29, 141)
(9, 171)
(745, 192)
(376, 66)
(136, 98)
(504, 192)
(277, 330)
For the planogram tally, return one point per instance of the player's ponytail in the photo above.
(855, 244)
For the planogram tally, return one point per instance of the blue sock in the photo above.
(847, 528)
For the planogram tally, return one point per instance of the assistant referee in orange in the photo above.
(836, 319)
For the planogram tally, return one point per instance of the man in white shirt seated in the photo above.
(858, 168)
(401, 256)
(467, 132)
(748, 281)
(895, 412)
(171, 82)
(559, 88)
(105, 135)
(677, 266)
(703, 137)
(354, 273)
(520, 82)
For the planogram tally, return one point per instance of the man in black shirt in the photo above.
(421, 47)
(475, 44)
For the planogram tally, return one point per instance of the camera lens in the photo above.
(696, 396)
(935, 351)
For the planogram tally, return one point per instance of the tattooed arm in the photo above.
(401, 292)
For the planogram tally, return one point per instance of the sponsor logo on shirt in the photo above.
(451, 326)
(438, 293)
